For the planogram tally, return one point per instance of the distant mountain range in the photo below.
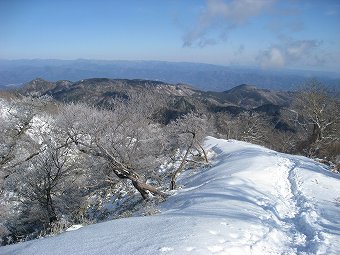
(181, 98)
(99, 91)
(201, 76)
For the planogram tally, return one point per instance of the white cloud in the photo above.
(223, 16)
(298, 49)
(272, 58)
(289, 52)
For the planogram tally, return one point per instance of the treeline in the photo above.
(55, 156)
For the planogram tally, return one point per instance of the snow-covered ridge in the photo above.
(251, 200)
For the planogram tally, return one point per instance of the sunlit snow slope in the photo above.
(250, 201)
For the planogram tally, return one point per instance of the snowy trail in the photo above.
(292, 211)
(252, 200)
(307, 231)
(309, 218)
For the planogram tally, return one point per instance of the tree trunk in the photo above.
(141, 190)
(204, 153)
(179, 169)
(317, 135)
(122, 171)
(139, 183)
(52, 216)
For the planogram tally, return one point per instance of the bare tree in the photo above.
(17, 143)
(188, 132)
(224, 124)
(318, 112)
(125, 137)
(13, 125)
(247, 126)
(34, 164)
(50, 180)
(253, 127)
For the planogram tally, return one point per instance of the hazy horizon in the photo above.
(284, 69)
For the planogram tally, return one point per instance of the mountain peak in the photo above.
(37, 87)
(243, 87)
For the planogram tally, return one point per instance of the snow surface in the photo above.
(251, 200)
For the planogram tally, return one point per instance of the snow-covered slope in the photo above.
(250, 201)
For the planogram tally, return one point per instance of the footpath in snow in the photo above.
(251, 200)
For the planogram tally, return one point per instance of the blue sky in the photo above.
(301, 34)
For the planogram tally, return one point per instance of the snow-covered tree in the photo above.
(318, 112)
(51, 183)
(125, 137)
(19, 141)
(188, 133)
(247, 126)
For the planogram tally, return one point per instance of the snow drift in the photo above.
(251, 200)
